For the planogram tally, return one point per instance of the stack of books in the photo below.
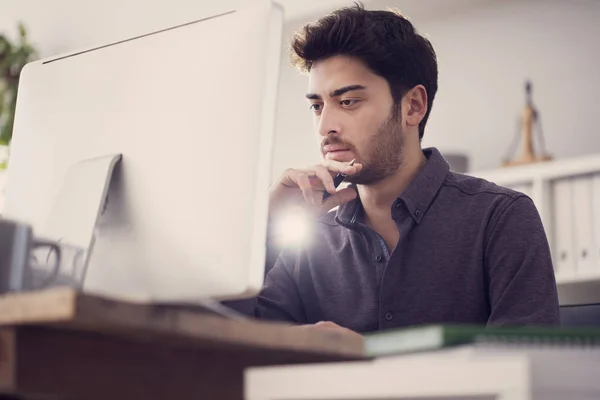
(562, 363)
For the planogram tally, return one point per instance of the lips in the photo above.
(340, 155)
(331, 148)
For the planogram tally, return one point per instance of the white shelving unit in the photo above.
(567, 195)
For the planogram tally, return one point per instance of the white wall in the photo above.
(296, 143)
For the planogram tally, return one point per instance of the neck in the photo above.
(377, 199)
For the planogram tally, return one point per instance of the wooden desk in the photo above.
(59, 344)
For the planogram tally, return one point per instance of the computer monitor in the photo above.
(191, 111)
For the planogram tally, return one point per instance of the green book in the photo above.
(434, 337)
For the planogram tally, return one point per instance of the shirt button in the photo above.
(418, 213)
(389, 316)
(378, 258)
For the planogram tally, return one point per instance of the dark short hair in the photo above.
(385, 41)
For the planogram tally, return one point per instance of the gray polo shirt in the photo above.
(469, 252)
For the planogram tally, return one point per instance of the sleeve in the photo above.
(522, 285)
(280, 298)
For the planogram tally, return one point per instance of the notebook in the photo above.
(434, 337)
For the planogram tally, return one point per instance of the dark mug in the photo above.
(17, 245)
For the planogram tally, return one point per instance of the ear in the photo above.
(414, 105)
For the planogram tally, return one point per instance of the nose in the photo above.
(329, 123)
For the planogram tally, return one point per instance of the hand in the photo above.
(306, 186)
(332, 326)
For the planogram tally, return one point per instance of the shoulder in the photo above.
(478, 191)
(473, 186)
(487, 200)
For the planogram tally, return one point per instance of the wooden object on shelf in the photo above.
(62, 344)
(529, 122)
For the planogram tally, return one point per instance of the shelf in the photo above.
(579, 289)
(548, 170)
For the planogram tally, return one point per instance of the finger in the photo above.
(304, 184)
(325, 177)
(291, 175)
(340, 197)
(303, 326)
(317, 183)
(332, 326)
(320, 175)
(327, 324)
(317, 198)
(337, 167)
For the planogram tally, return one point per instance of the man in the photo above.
(411, 242)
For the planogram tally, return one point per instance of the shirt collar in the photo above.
(417, 197)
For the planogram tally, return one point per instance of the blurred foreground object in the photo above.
(530, 120)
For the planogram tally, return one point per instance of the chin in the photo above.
(370, 176)
(363, 178)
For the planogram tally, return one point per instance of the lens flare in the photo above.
(293, 228)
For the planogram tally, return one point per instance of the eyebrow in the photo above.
(336, 92)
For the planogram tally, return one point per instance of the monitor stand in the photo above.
(72, 223)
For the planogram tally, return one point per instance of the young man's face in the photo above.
(354, 117)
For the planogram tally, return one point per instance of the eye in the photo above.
(349, 103)
(315, 107)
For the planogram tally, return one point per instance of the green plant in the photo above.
(13, 57)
